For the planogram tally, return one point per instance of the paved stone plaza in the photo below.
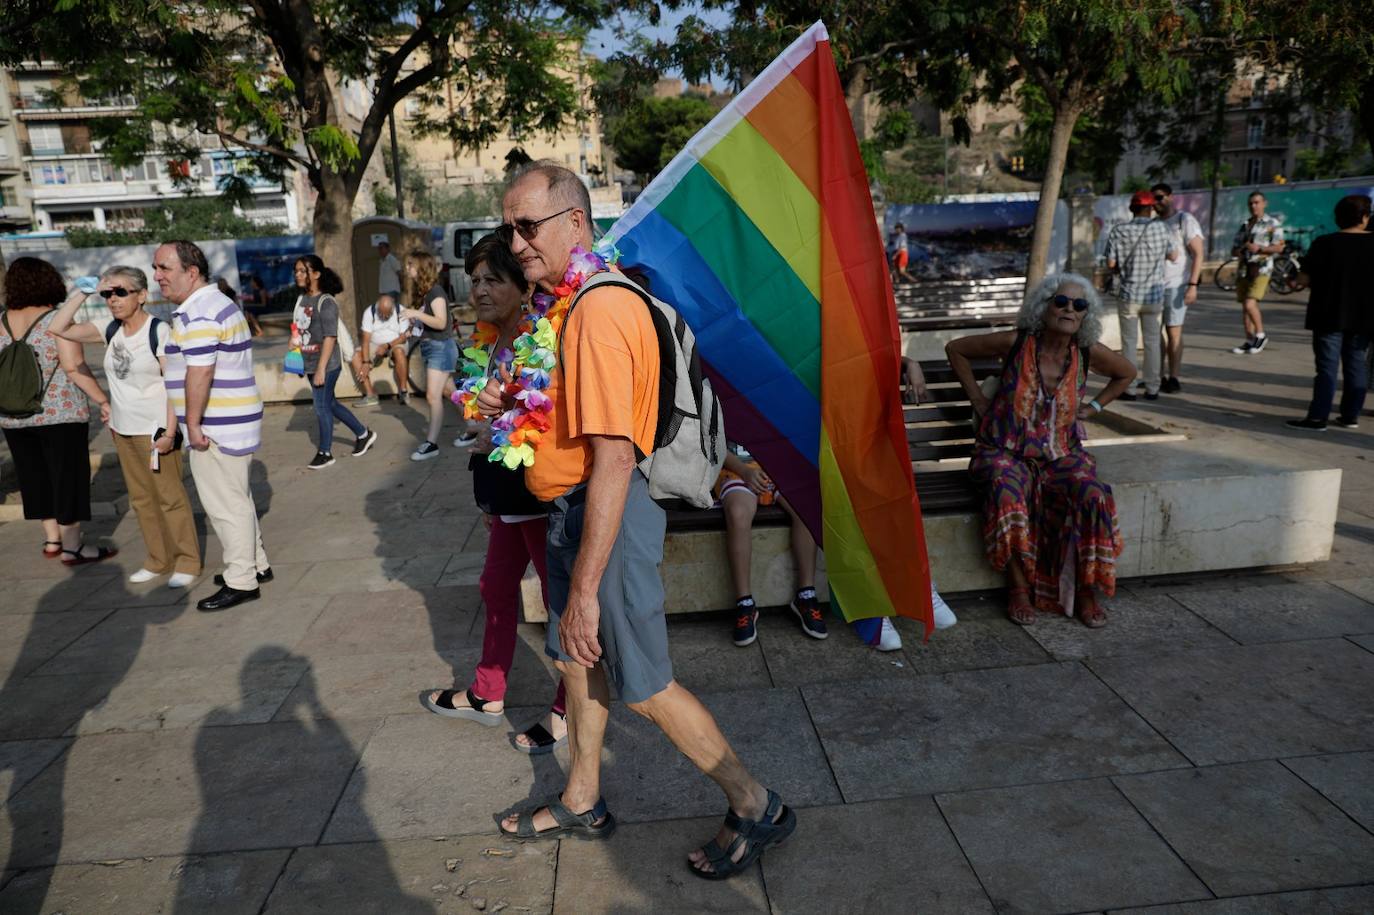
(1210, 751)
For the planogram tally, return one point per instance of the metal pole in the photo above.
(396, 168)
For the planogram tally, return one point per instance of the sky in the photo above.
(603, 42)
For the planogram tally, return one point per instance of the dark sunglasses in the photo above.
(116, 291)
(1063, 301)
(528, 228)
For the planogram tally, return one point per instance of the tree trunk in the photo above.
(855, 88)
(1060, 133)
(1218, 138)
(333, 227)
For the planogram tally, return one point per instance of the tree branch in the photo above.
(386, 90)
(267, 148)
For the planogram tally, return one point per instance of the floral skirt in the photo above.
(1054, 518)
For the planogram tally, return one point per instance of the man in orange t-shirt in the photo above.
(605, 541)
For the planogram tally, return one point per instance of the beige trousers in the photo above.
(222, 482)
(159, 502)
(1137, 320)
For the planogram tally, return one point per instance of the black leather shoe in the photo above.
(227, 597)
(263, 578)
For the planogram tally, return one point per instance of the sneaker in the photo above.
(746, 622)
(142, 575)
(1244, 348)
(361, 446)
(1154, 396)
(809, 613)
(321, 460)
(1347, 424)
(890, 639)
(466, 440)
(180, 580)
(1258, 344)
(944, 615)
(1170, 386)
(426, 451)
(1311, 425)
(402, 398)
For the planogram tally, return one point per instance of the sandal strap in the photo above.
(539, 735)
(477, 704)
(565, 817)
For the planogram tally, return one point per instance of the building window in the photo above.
(1254, 171)
(1254, 133)
(48, 175)
(96, 171)
(46, 140)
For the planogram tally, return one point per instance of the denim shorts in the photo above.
(634, 630)
(1174, 309)
(440, 355)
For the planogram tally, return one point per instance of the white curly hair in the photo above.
(1032, 315)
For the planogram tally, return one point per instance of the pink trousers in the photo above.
(510, 550)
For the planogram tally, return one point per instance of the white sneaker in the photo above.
(944, 616)
(141, 576)
(466, 440)
(426, 451)
(891, 639)
(180, 580)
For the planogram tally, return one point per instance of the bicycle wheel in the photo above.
(1226, 274)
(1283, 275)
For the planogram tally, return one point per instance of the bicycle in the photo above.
(1283, 278)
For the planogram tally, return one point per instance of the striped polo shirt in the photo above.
(210, 329)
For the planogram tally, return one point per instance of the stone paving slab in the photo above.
(29, 641)
(795, 658)
(983, 638)
(1067, 847)
(43, 707)
(1364, 641)
(413, 876)
(176, 792)
(24, 596)
(882, 856)
(1362, 588)
(227, 884)
(1138, 624)
(1342, 901)
(1252, 702)
(706, 659)
(979, 729)
(463, 569)
(167, 637)
(377, 573)
(1278, 613)
(643, 868)
(23, 759)
(1346, 779)
(1252, 828)
(438, 621)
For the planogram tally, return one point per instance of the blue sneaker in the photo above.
(746, 622)
(809, 613)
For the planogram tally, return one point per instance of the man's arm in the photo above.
(198, 380)
(613, 461)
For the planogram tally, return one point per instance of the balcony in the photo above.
(34, 107)
(12, 213)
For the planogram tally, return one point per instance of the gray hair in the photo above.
(136, 277)
(563, 184)
(1032, 315)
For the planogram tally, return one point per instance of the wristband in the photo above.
(1095, 405)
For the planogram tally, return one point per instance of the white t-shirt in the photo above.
(384, 331)
(389, 275)
(138, 397)
(1184, 227)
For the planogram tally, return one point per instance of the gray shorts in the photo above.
(1174, 309)
(634, 630)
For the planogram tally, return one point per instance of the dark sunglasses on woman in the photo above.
(1063, 301)
(116, 291)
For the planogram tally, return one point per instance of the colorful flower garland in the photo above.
(528, 364)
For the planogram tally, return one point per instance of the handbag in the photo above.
(294, 361)
(498, 491)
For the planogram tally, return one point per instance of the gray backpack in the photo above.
(689, 437)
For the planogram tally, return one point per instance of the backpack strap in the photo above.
(110, 330)
(153, 322)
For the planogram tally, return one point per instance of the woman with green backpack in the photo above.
(45, 412)
(142, 423)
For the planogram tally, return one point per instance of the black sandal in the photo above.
(52, 554)
(596, 823)
(474, 711)
(757, 836)
(101, 552)
(540, 738)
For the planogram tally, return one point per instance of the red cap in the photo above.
(1143, 199)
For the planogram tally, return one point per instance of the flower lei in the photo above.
(529, 361)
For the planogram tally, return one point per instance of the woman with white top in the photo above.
(141, 421)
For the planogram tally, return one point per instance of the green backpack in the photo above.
(21, 377)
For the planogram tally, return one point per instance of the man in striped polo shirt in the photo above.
(210, 383)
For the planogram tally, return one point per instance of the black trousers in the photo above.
(54, 468)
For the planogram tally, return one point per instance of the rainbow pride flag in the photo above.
(761, 233)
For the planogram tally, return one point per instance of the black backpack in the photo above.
(153, 322)
(21, 375)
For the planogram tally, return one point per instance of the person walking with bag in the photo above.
(45, 395)
(316, 318)
(1140, 249)
(142, 423)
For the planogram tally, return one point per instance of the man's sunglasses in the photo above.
(528, 228)
(1063, 301)
(116, 291)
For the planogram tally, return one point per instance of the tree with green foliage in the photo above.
(648, 132)
(199, 218)
(269, 77)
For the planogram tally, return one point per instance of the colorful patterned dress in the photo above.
(1044, 506)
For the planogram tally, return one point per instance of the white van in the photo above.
(459, 237)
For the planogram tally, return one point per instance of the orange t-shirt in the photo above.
(606, 384)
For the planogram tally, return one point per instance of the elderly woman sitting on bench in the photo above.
(1049, 523)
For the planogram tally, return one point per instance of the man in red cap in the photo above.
(1139, 250)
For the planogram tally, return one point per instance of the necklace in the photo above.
(525, 366)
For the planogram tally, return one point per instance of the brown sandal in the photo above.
(1090, 611)
(1020, 610)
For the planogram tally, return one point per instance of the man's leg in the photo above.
(362, 372)
(222, 483)
(1174, 348)
(1254, 321)
(1326, 353)
(1355, 371)
(1127, 316)
(1149, 324)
